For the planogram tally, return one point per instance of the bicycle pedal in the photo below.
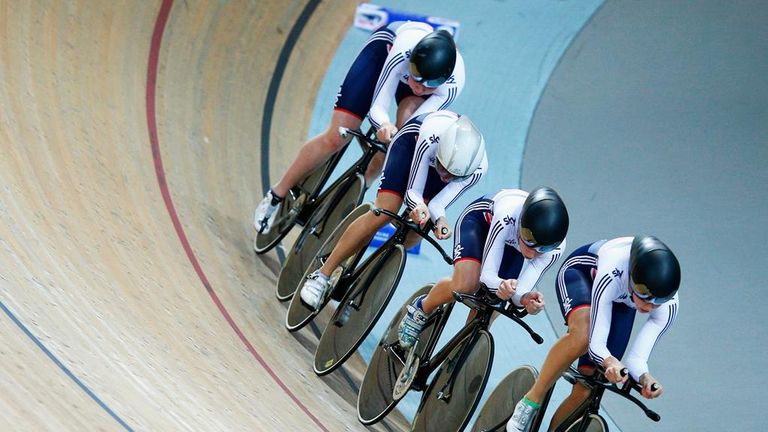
(407, 375)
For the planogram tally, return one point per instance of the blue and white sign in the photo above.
(370, 17)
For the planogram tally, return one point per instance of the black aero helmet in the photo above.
(433, 59)
(653, 269)
(544, 220)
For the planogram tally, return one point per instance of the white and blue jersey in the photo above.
(488, 232)
(409, 168)
(597, 276)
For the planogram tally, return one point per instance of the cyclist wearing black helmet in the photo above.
(495, 235)
(409, 63)
(600, 287)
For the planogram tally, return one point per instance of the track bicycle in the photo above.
(339, 200)
(463, 365)
(586, 417)
(307, 198)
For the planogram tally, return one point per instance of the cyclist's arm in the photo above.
(447, 93)
(532, 273)
(659, 321)
(395, 66)
(493, 251)
(453, 190)
(604, 291)
(417, 178)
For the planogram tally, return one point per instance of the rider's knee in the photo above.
(331, 142)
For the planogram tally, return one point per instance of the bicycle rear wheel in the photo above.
(335, 206)
(374, 400)
(360, 308)
(299, 314)
(501, 403)
(453, 394)
(596, 424)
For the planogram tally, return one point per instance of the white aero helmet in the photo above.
(461, 148)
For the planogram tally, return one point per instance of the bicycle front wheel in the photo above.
(360, 308)
(453, 394)
(335, 207)
(374, 400)
(299, 314)
(501, 403)
(596, 424)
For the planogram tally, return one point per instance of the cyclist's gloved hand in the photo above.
(386, 132)
(613, 370)
(533, 302)
(442, 230)
(420, 214)
(507, 289)
(651, 388)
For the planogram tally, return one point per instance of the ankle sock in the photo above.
(531, 403)
(275, 198)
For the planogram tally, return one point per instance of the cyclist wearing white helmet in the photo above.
(409, 63)
(495, 236)
(600, 287)
(433, 159)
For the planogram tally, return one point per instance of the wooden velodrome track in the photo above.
(132, 141)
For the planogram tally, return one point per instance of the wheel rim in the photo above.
(337, 343)
(298, 260)
(501, 403)
(454, 412)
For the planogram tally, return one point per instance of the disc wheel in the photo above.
(596, 424)
(453, 394)
(374, 400)
(316, 231)
(360, 308)
(299, 314)
(501, 403)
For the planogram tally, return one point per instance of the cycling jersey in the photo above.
(422, 167)
(605, 265)
(396, 71)
(499, 242)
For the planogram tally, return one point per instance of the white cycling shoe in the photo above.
(314, 290)
(266, 213)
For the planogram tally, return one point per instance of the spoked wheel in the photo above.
(596, 424)
(293, 204)
(454, 393)
(501, 403)
(374, 400)
(360, 308)
(299, 314)
(337, 205)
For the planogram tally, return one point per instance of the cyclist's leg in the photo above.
(360, 232)
(317, 150)
(466, 273)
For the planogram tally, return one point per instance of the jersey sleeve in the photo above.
(532, 273)
(604, 291)
(493, 251)
(395, 65)
(659, 321)
(417, 179)
(453, 190)
(447, 93)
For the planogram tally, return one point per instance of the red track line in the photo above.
(154, 55)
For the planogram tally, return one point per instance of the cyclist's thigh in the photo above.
(406, 106)
(471, 230)
(397, 166)
(356, 92)
(622, 318)
(511, 263)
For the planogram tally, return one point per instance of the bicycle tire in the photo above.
(290, 209)
(379, 277)
(329, 214)
(453, 414)
(374, 400)
(299, 314)
(499, 406)
(596, 424)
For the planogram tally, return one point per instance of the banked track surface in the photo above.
(130, 157)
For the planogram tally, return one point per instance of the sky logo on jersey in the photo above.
(509, 220)
(617, 273)
(434, 139)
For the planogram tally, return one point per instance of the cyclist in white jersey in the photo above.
(406, 62)
(433, 159)
(495, 236)
(600, 287)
